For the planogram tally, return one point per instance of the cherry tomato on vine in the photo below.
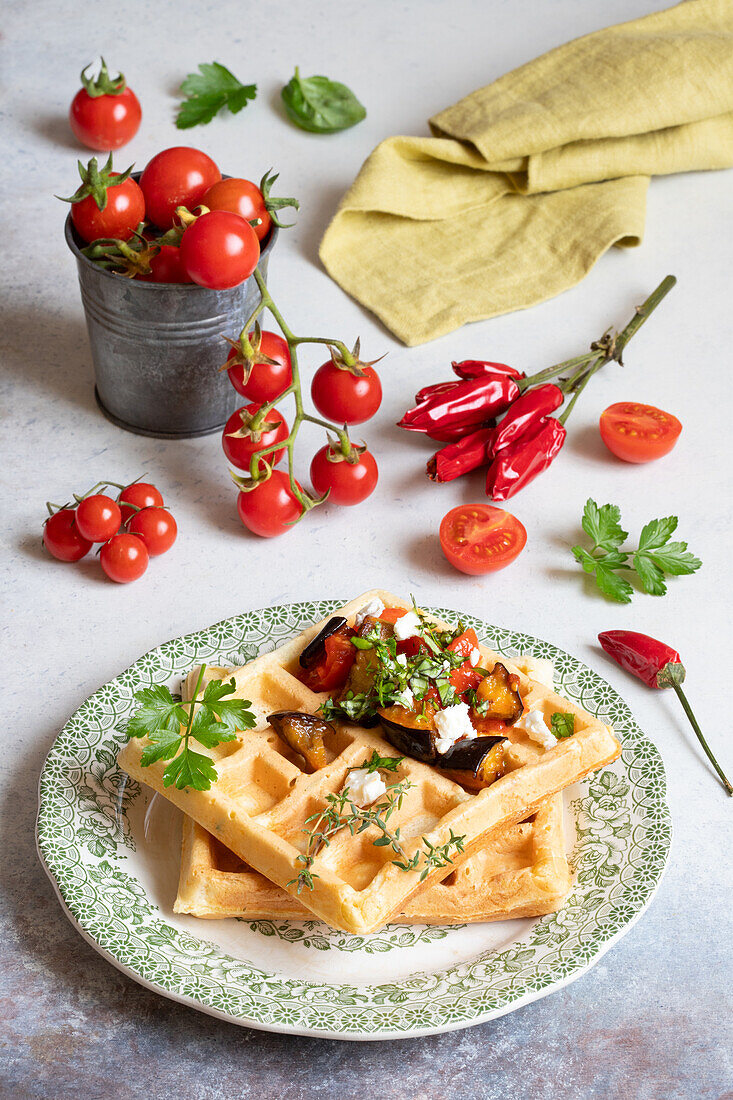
(62, 538)
(179, 176)
(266, 380)
(124, 558)
(141, 494)
(349, 483)
(240, 448)
(271, 508)
(123, 212)
(98, 517)
(478, 538)
(166, 267)
(638, 433)
(105, 113)
(157, 529)
(240, 197)
(219, 250)
(343, 397)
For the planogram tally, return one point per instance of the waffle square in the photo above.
(521, 872)
(262, 798)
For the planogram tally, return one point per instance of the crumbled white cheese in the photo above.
(474, 657)
(364, 786)
(405, 698)
(372, 609)
(401, 659)
(534, 725)
(452, 724)
(407, 626)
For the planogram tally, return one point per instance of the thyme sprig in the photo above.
(341, 812)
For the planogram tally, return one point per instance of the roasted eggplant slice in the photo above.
(474, 763)
(361, 676)
(499, 691)
(316, 649)
(305, 733)
(410, 731)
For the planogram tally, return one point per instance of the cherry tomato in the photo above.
(98, 517)
(124, 558)
(166, 267)
(349, 483)
(156, 527)
(266, 380)
(333, 669)
(343, 397)
(180, 176)
(465, 643)
(478, 538)
(219, 250)
(240, 448)
(638, 433)
(465, 677)
(240, 197)
(124, 211)
(62, 537)
(270, 509)
(105, 122)
(141, 494)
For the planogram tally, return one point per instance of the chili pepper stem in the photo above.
(552, 372)
(693, 722)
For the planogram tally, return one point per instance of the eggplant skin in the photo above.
(499, 690)
(410, 732)
(316, 648)
(305, 733)
(475, 763)
(364, 669)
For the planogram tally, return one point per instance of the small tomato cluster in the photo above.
(131, 528)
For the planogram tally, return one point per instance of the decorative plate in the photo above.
(111, 849)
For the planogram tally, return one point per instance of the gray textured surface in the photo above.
(652, 1020)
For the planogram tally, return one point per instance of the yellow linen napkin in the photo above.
(529, 180)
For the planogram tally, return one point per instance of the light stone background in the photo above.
(652, 1021)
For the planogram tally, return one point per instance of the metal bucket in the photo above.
(157, 347)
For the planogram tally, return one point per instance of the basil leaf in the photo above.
(320, 105)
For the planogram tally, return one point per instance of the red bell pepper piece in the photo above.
(529, 408)
(659, 666)
(465, 643)
(332, 670)
(523, 460)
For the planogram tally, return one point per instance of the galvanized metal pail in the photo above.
(157, 347)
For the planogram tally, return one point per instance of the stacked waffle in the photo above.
(244, 839)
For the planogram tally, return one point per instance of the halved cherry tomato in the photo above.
(465, 643)
(333, 668)
(179, 176)
(479, 538)
(638, 433)
(465, 677)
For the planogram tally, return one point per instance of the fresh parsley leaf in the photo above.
(602, 525)
(208, 91)
(233, 714)
(158, 710)
(163, 745)
(654, 558)
(190, 769)
(563, 724)
(386, 763)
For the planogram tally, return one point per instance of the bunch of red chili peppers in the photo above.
(525, 440)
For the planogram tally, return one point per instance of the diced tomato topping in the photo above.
(465, 677)
(486, 726)
(392, 614)
(465, 643)
(333, 668)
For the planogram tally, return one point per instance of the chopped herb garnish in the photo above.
(563, 724)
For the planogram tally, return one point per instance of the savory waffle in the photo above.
(259, 805)
(521, 872)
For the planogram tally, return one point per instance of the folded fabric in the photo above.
(529, 180)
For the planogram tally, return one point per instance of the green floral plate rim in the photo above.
(84, 841)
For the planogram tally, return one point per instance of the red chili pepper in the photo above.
(466, 406)
(521, 416)
(455, 435)
(659, 666)
(477, 368)
(432, 391)
(524, 459)
(459, 458)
